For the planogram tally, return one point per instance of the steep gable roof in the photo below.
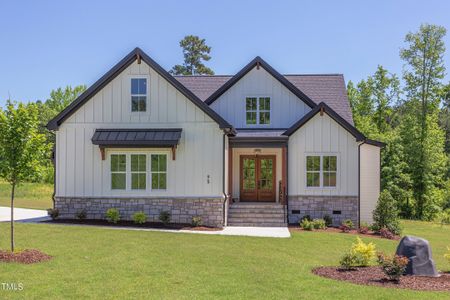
(328, 88)
(259, 62)
(115, 71)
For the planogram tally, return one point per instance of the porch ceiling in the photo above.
(259, 138)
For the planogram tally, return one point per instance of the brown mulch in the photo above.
(131, 224)
(28, 256)
(374, 276)
(337, 230)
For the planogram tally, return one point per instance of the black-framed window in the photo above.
(138, 94)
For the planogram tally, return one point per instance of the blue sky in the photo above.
(50, 44)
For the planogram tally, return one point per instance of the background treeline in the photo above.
(411, 113)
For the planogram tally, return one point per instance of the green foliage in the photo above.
(328, 220)
(53, 213)
(363, 227)
(393, 266)
(195, 51)
(347, 225)
(385, 214)
(165, 217)
(306, 224)
(363, 252)
(348, 261)
(443, 217)
(81, 214)
(197, 221)
(319, 224)
(447, 255)
(139, 217)
(112, 215)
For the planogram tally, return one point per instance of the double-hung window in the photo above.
(138, 94)
(257, 110)
(138, 171)
(321, 170)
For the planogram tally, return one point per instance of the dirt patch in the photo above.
(374, 276)
(131, 224)
(28, 256)
(337, 230)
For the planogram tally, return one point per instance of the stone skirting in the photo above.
(319, 206)
(182, 209)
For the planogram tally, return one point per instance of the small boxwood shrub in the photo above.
(196, 221)
(81, 214)
(113, 215)
(319, 224)
(348, 261)
(393, 266)
(139, 217)
(328, 220)
(165, 217)
(53, 213)
(346, 225)
(306, 224)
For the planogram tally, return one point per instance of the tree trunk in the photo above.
(12, 216)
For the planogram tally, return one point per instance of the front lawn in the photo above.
(28, 195)
(106, 263)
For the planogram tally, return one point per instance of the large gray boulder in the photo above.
(418, 251)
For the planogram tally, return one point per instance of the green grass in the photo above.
(28, 195)
(112, 264)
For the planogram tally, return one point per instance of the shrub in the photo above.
(53, 213)
(319, 224)
(386, 214)
(346, 225)
(348, 261)
(386, 233)
(447, 255)
(197, 221)
(139, 217)
(112, 215)
(364, 252)
(305, 224)
(165, 216)
(81, 214)
(443, 217)
(363, 228)
(393, 267)
(328, 220)
(306, 217)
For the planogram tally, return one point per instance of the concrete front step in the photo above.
(256, 211)
(257, 214)
(257, 205)
(258, 224)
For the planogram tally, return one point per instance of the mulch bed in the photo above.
(28, 256)
(374, 276)
(131, 224)
(337, 230)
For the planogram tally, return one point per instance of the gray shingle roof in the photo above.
(328, 88)
(161, 137)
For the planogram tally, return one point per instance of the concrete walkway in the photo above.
(22, 214)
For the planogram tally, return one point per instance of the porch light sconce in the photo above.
(257, 151)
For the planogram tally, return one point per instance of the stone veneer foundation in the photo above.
(319, 206)
(182, 209)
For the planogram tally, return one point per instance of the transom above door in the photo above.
(257, 178)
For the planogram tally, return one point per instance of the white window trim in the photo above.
(147, 95)
(159, 172)
(128, 190)
(257, 110)
(338, 168)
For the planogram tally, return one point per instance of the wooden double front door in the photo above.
(257, 178)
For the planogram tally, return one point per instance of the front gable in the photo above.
(109, 99)
(258, 79)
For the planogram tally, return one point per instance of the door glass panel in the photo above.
(266, 173)
(249, 173)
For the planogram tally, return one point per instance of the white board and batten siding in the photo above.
(81, 172)
(285, 110)
(370, 180)
(321, 135)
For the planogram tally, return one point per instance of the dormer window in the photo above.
(138, 94)
(257, 110)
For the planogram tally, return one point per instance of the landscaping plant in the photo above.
(165, 217)
(197, 221)
(363, 228)
(306, 217)
(306, 224)
(443, 218)
(393, 266)
(348, 261)
(386, 214)
(346, 225)
(328, 220)
(319, 224)
(139, 217)
(81, 214)
(113, 215)
(386, 233)
(53, 213)
(364, 253)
